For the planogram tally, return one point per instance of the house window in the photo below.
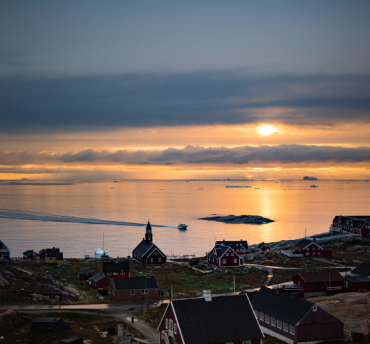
(273, 321)
(159, 260)
(235, 261)
(167, 324)
(292, 329)
(223, 261)
(286, 327)
(314, 308)
(151, 260)
(237, 250)
(246, 342)
(132, 292)
(267, 318)
(108, 273)
(49, 258)
(171, 325)
(232, 254)
(262, 316)
(114, 293)
(163, 334)
(144, 291)
(175, 328)
(227, 254)
(278, 323)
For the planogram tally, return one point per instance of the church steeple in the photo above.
(148, 233)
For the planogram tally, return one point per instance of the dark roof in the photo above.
(83, 272)
(142, 248)
(52, 252)
(281, 306)
(116, 266)
(325, 276)
(148, 226)
(28, 252)
(358, 224)
(223, 319)
(363, 269)
(262, 244)
(60, 256)
(220, 250)
(304, 243)
(97, 277)
(42, 251)
(358, 279)
(234, 244)
(131, 283)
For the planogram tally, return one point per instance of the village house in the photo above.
(42, 254)
(224, 256)
(117, 269)
(240, 247)
(294, 320)
(358, 283)
(133, 288)
(29, 254)
(362, 270)
(216, 320)
(4, 251)
(83, 274)
(311, 248)
(99, 281)
(319, 283)
(53, 256)
(262, 247)
(353, 224)
(147, 252)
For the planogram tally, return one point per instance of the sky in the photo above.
(184, 89)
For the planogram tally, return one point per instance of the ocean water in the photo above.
(76, 217)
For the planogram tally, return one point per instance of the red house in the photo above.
(224, 256)
(319, 283)
(222, 319)
(353, 224)
(83, 274)
(99, 281)
(117, 269)
(358, 283)
(295, 320)
(310, 248)
(262, 247)
(42, 254)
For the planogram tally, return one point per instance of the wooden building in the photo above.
(311, 248)
(99, 281)
(29, 254)
(147, 252)
(240, 247)
(319, 283)
(362, 270)
(4, 251)
(353, 224)
(216, 320)
(83, 274)
(295, 320)
(133, 288)
(117, 269)
(262, 247)
(42, 254)
(357, 283)
(224, 256)
(53, 256)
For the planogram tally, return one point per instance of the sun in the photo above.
(266, 130)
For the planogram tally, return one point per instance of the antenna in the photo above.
(103, 245)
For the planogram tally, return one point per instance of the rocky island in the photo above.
(246, 219)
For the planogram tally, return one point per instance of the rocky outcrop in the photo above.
(3, 281)
(352, 308)
(246, 219)
(10, 320)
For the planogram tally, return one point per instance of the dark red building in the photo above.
(319, 283)
(357, 283)
(42, 254)
(311, 248)
(216, 320)
(117, 269)
(262, 247)
(353, 224)
(99, 281)
(224, 256)
(83, 274)
(294, 320)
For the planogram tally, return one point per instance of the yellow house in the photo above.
(53, 256)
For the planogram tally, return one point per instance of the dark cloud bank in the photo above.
(282, 154)
(200, 98)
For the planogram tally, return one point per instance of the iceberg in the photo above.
(98, 252)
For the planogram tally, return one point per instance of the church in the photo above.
(147, 252)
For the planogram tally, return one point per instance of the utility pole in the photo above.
(226, 282)
(234, 283)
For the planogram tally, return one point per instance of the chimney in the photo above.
(207, 295)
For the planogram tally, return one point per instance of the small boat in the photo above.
(313, 186)
(182, 226)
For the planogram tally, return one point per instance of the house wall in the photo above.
(169, 315)
(126, 294)
(51, 260)
(315, 287)
(227, 259)
(100, 284)
(83, 276)
(313, 250)
(318, 326)
(151, 258)
(350, 286)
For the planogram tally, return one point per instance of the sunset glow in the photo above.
(266, 130)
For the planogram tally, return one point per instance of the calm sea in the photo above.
(74, 217)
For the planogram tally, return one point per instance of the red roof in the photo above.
(314, 277)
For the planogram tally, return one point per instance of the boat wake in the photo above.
(36, 216)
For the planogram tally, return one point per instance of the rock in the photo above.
(8, 272)
(245, 219)
(10, 320)
(81, 298)
(3, 281)
(40, 297)
(23, 270)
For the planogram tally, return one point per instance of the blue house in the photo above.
(4, 251)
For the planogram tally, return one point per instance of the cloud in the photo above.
(28, 104)
(195, 155)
